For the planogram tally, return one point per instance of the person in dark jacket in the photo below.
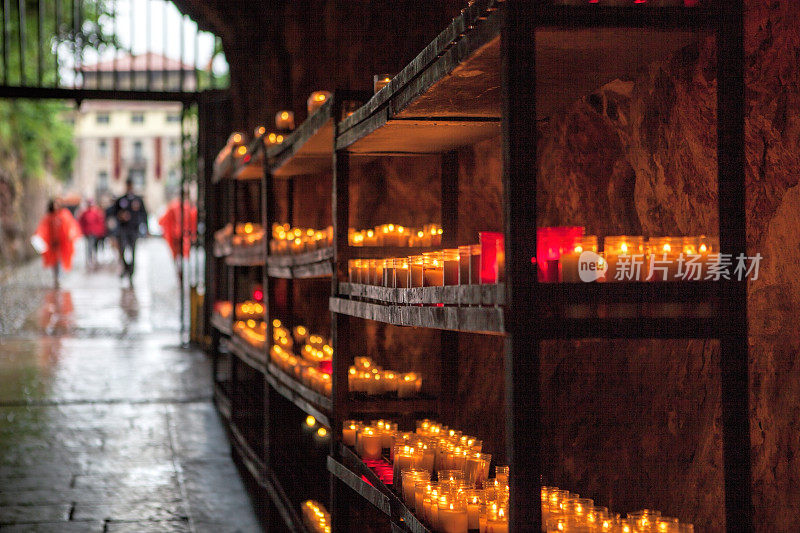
(131, 223)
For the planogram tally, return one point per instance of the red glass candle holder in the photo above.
(549, 244)
(493, 256)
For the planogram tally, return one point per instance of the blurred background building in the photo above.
(117, 140)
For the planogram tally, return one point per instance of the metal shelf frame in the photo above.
(523, 310)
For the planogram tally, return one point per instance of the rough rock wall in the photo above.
(636, 157)
(640, 158)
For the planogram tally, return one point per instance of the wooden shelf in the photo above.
(255, 358)
(286, 508)
(367, 491)
(222, 400)
(487, 320)
(254, 464)
(266, 479)
(449, 95)
(221, 249)
(308, 149)
(313, 264)
(383, 252)
(252, 170)
(685, 309)
(386, 499)
(252, 255)
(221, 324)
(223, 167)
(306, 399)
(393, 406)
(461, 295)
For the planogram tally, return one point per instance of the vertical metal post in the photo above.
(733, 240)
(76, 29)
(340, 324)
(132, 73)
(233, 292)
(58, 40)
(6, 37)
(267, 218)
(164, 69)
(449, 339)
(522, 371)
(182, 231)
(290, 282)
(79, 64)
(196, 57)
(183, 52)
(148, 50)
(40, 42)
(22, 40)
(115, 81)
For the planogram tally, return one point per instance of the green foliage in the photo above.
(33, 131)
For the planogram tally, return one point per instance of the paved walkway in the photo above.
(105, 423)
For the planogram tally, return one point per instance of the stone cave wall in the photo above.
(640, 158)
(631, 424)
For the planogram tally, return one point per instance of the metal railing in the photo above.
(58, 48)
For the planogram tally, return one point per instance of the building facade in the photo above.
(118, 140)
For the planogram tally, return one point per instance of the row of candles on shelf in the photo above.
(463, 498)
(253, 332)
(365, 377)
(243, 234)
(473, 264)
(250, 310)
(289, 240)
(566, 254)
(315, 517)
(396, 235)
(284, 123)
(223, 308)
(313, 366)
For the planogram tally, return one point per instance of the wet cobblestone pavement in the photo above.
(106, 424)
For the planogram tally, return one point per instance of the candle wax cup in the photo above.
(475, 267)
(401, 277)
(419, 496)
(493, 526)
(416, 275)
(349, 436)
(433, 276)
(463, 268)
(453, 520)
(473, 515)
(569, 267)
(402, 461)
(370, 446)
(451, 272)
(409, 483)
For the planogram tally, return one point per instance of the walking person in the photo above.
(93, 226)
(54, 239)
(131, 223)
(179, 239)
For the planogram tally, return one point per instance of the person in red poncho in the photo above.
(93, 226)
(55, 238)
(170, 223)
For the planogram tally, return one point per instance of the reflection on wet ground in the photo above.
(105, 423)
